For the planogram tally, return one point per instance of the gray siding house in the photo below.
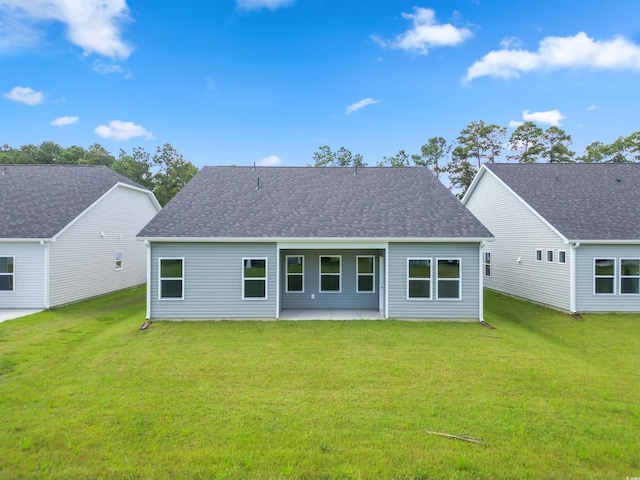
(67, 232)
(242, 242)
(566, 235)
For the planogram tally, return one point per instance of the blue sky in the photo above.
(269, 81)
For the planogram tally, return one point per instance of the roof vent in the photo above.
(258, 187)
(619, 180)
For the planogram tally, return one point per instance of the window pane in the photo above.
(419, 288)
(604, 285)
(549, 255)
(419, 268)
(448, 269)
(171, 268)
(539, 255)
(329, 264)
(487, 270)
(6, 264)
(629, 285)
(487, 257)
(629, 267)
(365, 283)
(294, 264)
(330, 283)
(365, 264)
(171, 288)
(255, 268)
(448, 289)
(605, 266)
(294, 283)
(255, 288)
(562, 256)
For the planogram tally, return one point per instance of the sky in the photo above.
(270, 81)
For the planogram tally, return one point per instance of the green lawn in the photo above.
(85, 394)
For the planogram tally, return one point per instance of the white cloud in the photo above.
(62, 121)
(593, 107)
(354, 107)
(93, 25)
(555, 53)
(510, 42)
(106, 69)
(119, 130)
(425, 33)
(25, 95)
(259, 4)
(550, 117)
(515, 123)
(270, 161)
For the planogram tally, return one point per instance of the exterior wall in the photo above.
(213, 281)
(400, 307)
(518, 233)
(347, 298)
(586, 300)
(82, 262)
(29, 275)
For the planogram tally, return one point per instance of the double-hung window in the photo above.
(254, 278)
(7, 275)
(365, 273)
(487, 264)
(330, 274)
(562, 256)
(629, 276)
(118, 260)
(604, 273)
(295, 273)
(419, 278)
(549, 256)
(448, 279)
(538, 255)
(171, 279)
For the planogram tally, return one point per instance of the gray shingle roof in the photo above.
(310, 202)
(38, 201)
(582, 201)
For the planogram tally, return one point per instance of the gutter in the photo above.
(572, 276)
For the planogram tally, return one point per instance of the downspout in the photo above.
(278, 260)
(572, 277)
(47, 261)
(481, 283)
(148, 245)
(386, 280)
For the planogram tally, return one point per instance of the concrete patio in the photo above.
(332, 314)
(10, 314)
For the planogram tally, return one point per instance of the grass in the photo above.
(85, 394)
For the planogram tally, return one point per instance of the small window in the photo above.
(448, 279)
(629, 276)
(171, 284)
(295, 273)
(7, 275)
(604, 276)
(562, 256)
(254, 278)
(549, 256)
(366, 274)
(538, 255)
(330, 274)
(419, 278)
(118, 260)
(487, 264)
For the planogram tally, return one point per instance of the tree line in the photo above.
(479, 143)
(164, 172)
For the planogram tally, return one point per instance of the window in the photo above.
(419, 278)
(449, 279)
(330, 274)
(538, 255)
(254, 278)
(295, 274)
(562, 256)
(118, 260)
(7, 274)
(604, 275)
(171, 284)
(629, 276)
(487, 264)
(549, 256)
(365, 271)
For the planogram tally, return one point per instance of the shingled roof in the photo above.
(38, 201)
(582, 201)
(311, 202)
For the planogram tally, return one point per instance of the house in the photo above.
(67, 232)
(242, 242)
(566, 235)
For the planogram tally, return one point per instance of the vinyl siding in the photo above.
(586, 300)
(213, 281)
(348, 298)
(83, 261)
(400, 307)
(518, 233)
(29, 276)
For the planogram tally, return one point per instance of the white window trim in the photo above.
(266, 275)
(421, 299)
(565, 257)
(13, 274)
(372, 275)
(536, 255)
(485, 264)
(546, 255)
(459, 280)
(626, 276)
(121, 255)
(286, 270)
(604, 276)
(160, 278)
(339, 274)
